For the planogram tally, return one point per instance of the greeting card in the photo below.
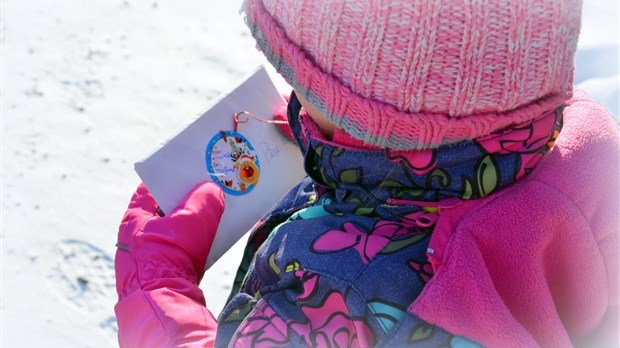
(236, 145)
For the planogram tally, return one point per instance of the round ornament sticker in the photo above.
(232, 162)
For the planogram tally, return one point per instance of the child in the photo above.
(460, 191)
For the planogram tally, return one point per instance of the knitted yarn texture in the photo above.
(418, 74)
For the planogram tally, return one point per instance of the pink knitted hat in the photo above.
(417, 74)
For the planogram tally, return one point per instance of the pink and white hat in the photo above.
(417, 74)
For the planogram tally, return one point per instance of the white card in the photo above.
(254, 166)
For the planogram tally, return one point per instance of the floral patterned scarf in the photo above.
(470, 169)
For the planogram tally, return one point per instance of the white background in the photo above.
(90, 87)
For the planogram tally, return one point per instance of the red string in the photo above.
(237, 120)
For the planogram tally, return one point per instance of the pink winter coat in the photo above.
(535, 264)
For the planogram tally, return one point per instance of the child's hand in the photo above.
(153, 247)
(159, 263)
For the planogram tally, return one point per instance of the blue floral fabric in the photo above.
(342, 256)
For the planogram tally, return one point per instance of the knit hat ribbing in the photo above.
(415, 74)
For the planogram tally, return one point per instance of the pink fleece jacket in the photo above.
(535, 264)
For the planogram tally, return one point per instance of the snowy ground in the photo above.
(90, 87)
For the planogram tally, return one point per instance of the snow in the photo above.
(90, 87)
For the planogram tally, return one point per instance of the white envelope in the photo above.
(200, 152)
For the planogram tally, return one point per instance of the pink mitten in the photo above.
(159, 263)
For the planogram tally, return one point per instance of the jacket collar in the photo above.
(470, 169)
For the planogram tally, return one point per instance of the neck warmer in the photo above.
(471, 169)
